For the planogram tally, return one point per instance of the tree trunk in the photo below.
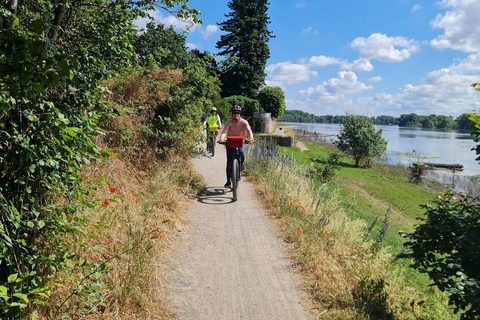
(59, 13)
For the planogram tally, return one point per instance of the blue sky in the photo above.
(369, 57)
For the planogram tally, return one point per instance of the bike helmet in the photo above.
(213, 109)
(237, 108)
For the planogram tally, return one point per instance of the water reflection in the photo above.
(436, 146)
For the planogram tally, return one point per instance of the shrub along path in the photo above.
(230, 264)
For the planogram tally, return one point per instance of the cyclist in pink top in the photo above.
(235, 127)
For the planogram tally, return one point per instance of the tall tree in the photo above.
(245, 46)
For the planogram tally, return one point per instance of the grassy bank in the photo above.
(348, 258)
(133, 205)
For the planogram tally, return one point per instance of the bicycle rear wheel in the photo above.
(235, 179)
(212, 144)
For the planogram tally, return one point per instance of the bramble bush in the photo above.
(445, 246)
(53, 55)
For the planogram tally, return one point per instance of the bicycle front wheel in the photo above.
(235, 178)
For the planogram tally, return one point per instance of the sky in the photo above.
(367, 57)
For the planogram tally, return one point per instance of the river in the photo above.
(450, 147)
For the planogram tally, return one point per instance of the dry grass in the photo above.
(131, 234)
(347, 277)
(138, 204)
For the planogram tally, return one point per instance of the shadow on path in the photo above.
(215, 196)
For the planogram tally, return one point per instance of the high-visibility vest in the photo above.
(212, 120)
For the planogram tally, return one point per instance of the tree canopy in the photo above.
(359, 139)
(272, 100)
(245, 47)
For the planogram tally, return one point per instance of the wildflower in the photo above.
(300, 231)
(289, 205)
(158, 230)
(84, 178)
(131, 169)
(296, 200)
(327, 234)
(421, 302)
(135, 200)
(142, 176)
(112, 190)
(355, 248)
(316, 227)
(412, 304)
(111, 154)
(160, 235)
(303, 208)
(137, 245)
(309, 226)
(105, 203)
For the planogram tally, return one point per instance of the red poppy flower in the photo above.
(327, 234)
(300, 231)
(105, 203)
(355, 248)
(289, 205)
(160, 236)
(142, 176)
(296, 200)
(112, 190)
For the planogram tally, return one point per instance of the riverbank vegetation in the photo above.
(432, 121)
(345, 233)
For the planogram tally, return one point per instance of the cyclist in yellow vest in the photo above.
(212, 120)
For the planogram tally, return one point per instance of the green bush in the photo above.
(359, 139)
(446, 247)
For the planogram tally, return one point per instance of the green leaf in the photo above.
(12, 277)
(32, 168)
(37, 26)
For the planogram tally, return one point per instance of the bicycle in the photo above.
(212, 138)
(236, 143)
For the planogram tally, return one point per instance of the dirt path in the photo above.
(299, 143)
(230, 264)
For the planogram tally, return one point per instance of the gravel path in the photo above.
(230, 264)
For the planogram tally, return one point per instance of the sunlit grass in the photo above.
(352, 272)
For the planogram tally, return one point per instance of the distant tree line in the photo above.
(405, 120)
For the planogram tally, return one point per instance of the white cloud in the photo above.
(358, 65)
(191, 46)
(322, 61)
(301, 5)
(157, 17)
(445, 91)
(460, 24)
(331, 95)
(289, 73)
(208, 30)
(380, 47)
(416, 8)
(376, 79)
(307, 30)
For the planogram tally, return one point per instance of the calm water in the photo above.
(435, 146)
